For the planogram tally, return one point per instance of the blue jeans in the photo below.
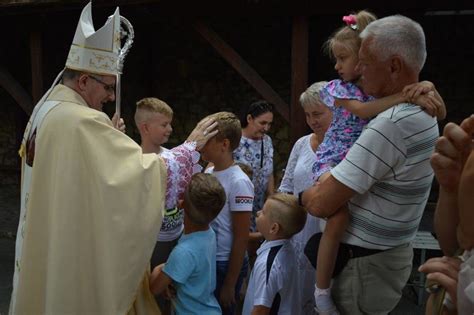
(221, 269)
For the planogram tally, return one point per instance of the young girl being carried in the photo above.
(351, 108)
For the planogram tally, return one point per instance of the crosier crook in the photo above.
(126, 30)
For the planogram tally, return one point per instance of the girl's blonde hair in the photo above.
(349, 36)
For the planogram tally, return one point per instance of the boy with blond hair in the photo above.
(274, 286)
(233, 223)
(153, 118)
(191, 266)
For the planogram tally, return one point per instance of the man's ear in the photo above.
(81, 81)
(396, 65)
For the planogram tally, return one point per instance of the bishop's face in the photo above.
(99, 89)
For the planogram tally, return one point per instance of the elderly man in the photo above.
(90, 198)
(385, 177)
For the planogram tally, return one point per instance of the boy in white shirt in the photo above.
(233, 223)
(274, 286)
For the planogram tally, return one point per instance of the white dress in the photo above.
(298, 177)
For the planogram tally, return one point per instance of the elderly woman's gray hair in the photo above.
(398, 35)
(311, 95)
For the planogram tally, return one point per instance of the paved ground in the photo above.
(9, 209)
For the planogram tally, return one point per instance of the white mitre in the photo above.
(95, 51)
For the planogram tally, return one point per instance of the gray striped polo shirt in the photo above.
(389, 168)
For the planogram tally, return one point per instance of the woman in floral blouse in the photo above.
(256, 150)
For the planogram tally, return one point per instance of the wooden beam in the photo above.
(36, 55)
(19, 94)
(299, 75)
(244, 69)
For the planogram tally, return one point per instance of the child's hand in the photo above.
(414, 90)
(430, 104)
(425, 95)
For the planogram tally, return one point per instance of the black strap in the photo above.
(276, 304)
(270, 258)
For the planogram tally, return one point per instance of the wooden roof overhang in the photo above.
(300, 10)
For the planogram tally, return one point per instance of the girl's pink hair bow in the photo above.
(350, 20)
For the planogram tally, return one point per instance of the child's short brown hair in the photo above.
(203, 198)
(288, 214)
(149, 105)
(229, 128)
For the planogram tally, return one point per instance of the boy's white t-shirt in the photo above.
(239, 193)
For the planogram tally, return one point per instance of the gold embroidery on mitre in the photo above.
(103, 62)
(73, 58)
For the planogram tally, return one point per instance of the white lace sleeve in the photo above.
(287, 184)
(181, 163)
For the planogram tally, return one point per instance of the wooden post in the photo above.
(36, 55)
(243, 68)
(299, 75)
(16, 91)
